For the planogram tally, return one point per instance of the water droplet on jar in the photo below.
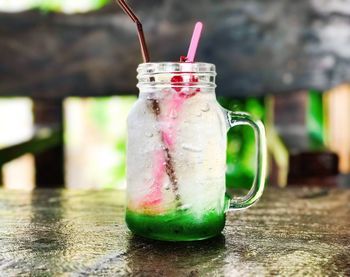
(184, 207)
(191, 148)
(173, 114)
(149, 134)
(205, 108)
(198, 113)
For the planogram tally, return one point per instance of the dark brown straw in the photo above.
(169, 165)
(130, 13)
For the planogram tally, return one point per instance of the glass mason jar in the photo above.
(176, 154)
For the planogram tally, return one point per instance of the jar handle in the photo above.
(240, 118)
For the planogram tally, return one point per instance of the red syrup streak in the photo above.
(163, 161)
(177, 81)
(154, 197)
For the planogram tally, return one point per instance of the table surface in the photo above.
(291, 232)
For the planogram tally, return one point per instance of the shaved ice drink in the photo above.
(176, 154)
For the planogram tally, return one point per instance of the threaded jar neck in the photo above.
(177, 76)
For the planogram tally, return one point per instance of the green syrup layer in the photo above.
(176, 226)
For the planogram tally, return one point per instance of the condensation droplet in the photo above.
(190, 148)
(184, 207)
(205, 108)
(198, 113)
(149, 134)
(173, 114)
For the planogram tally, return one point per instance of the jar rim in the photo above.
(175, 67)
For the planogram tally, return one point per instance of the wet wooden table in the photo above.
(293, 232)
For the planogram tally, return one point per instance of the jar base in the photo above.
(176, 226)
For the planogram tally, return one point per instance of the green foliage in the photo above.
(241, 143)
(49, 5)
(315, 120)
(64, 5)
(99, 113)
(107, 122)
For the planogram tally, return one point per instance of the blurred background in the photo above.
(67, 83)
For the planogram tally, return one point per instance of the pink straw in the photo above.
(194, 42)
